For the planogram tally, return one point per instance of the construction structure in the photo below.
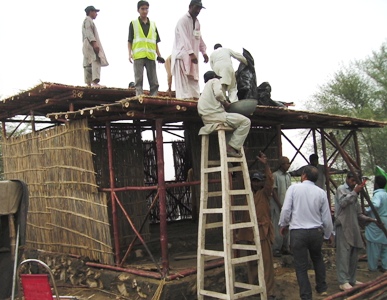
(95, 184)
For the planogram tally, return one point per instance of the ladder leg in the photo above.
(225, 179)
(202, 217)
(253, 218)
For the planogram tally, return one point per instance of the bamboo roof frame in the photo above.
(61, 102)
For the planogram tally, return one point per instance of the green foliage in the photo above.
(359, 90)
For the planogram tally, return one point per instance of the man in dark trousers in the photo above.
(306, 213)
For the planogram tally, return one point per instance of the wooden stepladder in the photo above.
(248, 252)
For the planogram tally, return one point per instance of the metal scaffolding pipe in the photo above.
(162, 197)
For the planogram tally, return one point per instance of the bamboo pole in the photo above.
(366, 291)
(186, 272)
(17, 127)
(137, 233)
(357, 288)
(297, 149)
(32, 120)
(326, 174)
(126, 270)
(162, 195)
(4, 130)
(167, 102)
(60, 98)
(112, 194)
(314, 141)
(154, 187)
(141, 227)
(279, 140)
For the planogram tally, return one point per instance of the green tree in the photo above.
(360, 90)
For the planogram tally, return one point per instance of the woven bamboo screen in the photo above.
(66, 213)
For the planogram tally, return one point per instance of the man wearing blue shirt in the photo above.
(306, 213)
(376, 239)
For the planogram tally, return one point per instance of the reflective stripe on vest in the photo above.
(144, 47)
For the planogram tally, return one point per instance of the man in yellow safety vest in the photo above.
(143, 49)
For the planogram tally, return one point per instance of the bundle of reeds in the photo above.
(66, 212)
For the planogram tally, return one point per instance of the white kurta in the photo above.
(90, 34)
(221, 63)
(188, 39)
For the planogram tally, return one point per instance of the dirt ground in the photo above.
(285, 282)
(184, 248)
(287, 287)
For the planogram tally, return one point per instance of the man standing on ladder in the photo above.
(212, 107)
(262, 186)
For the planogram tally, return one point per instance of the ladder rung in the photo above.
(214, 194)
(247, 286)
(234, 159)
(212, 210)
(213, 163)
(239, 208)
(244, 247)
(248, 293)
(212, 253)
(214, 225)
(238, 192)
(235, 169)
(212, 170)
(243, 259)
(215, 295)
(254, 290)
(241, 225)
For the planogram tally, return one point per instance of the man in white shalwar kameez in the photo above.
(221, 63)
(187, 44)
(212, 107)
(93, 54)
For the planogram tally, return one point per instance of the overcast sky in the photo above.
(297, 45)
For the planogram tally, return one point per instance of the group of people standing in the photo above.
(303, 211)
(143, 50)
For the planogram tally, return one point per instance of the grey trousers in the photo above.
(92, 72)
(346, 259)
(138, 68)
